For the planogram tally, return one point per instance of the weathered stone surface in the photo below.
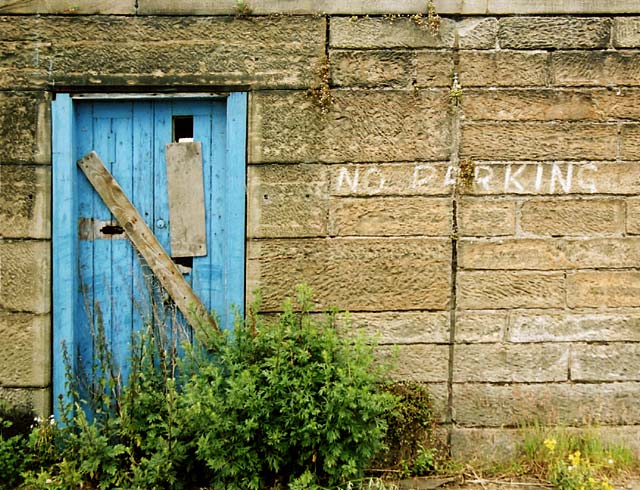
(361, 126)
(510, 363)
(354, 274)
(25, 276)
(633, 216)
(287, 201)
(482, 217)
(548, 105)
(36, 399)
(539, 141)
(611, 362)
(504, 68)
(83, 7)
(513, 254)
(486, 290)
(484, 445)
(477, 33)
(490, 445)
(603, 288)
(434, 68)
(626, 32)
(393, 179)
(630, 148)
(400, 327)
(561, 326)
(422, 363)
(26, 340)
(372, 68)
(596, 68)
(372, 33)
(25, 193)
(554, 32)
(25, 128)
(556, 178)
(564, 403)
(572, 218)
(186, 63)
(24, 65)
(549, 254)
(481, 326)
(390, 216)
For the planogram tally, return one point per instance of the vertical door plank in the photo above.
(65, 236)
(142, 198)
(235, 194)
(144, 240)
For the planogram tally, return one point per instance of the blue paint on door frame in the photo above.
(65, 251)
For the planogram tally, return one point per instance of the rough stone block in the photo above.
(399, 327)
(390, 216)
(25, 126)
(355, 274)
(539, 141)
(612, 362)
(626, 32)
(77, 7)
(284, 63)
(603, 288)
(483, 217)
(434, 68)
(554, 32)
(491, 445)
(516, 363)
(37, 400)
(477, 33)
(361, 126)
(549, 254)
(25, 192)
(549, 105)
(504, 68)
(481, 326)
(542, 326)
(393, 179)
(554, 178)
(287, 201)
(372, 68)
(376, 32)
(491, 405)
(24, 65)
(633, 215)
(484, 445)
(422, 363)
(572, 218)
(27, 350)
(630, 148)
(596, 68)
(25, 276)
(486, 290)
(513, 254)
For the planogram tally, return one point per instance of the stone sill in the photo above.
(315, 7)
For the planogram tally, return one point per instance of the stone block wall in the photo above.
(512, 291)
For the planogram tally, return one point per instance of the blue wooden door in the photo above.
(98, 276)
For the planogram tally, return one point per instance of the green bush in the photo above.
(281, 404)
(287, 404)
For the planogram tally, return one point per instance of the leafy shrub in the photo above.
(410, 445)
(14, 429)
(287, 404)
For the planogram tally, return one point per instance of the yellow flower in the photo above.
(606, 485)
(550, 444)
(574, 458)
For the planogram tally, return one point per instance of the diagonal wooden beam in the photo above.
(145, 241)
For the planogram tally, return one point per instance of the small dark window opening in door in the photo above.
(182, 127)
